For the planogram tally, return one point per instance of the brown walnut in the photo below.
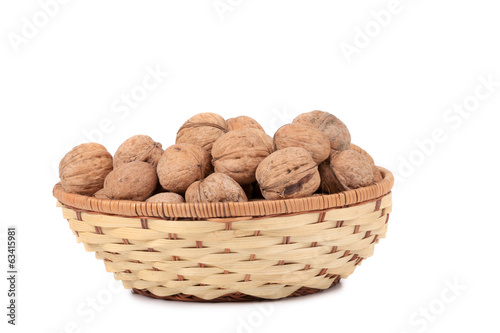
(169, 197)
(303, 136)
(377, 175)
(242, 122)
(181, 165)
(348, 170)
(131, 181)
(288, 173)
(333, 127)
(100, 194)
(238, 153)
(138, 148)
(217, 187)
(83, 169)
(202, 130)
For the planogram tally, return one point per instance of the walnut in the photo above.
(307, 137)
(362, 152)
(217, 187)
(242, 122)
(83, 169)
(329, 184)
(169, 197)
(202, 130)
(348, 170)
(238, 153)
(138, 148)
(131, 181)
(288, 173)
(334, 129)
(377, 175)
(100, 194)
(181, 165)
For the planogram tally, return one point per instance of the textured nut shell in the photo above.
(351, 169)
(169, 197)
(362, 152)
(288, 173)
(181, 165)
(377, 175)
(217, 187)
(83, 169)
(307, 137)
(242, 122)
(138, 148)
(333, 127)
(329, 184)
(202, 130)
(238, 153)
(131, 181)
(100, 194)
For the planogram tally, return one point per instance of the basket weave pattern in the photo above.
(226, 257)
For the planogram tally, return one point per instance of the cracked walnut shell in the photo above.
(131, 181)
(138, 148)
(307, 137)
(288, 173)
(333, 127)
(181, 165)
(217, 187)
(83, 169)
(202, 130)
(238, 153)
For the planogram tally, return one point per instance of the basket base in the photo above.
(234, 297)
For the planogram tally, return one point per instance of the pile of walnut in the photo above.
(217, 160)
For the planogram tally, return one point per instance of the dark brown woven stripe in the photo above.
(322, 216)
(233, 297)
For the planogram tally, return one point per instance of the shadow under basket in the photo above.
(232, 251)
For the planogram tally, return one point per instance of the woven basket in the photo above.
(232, 251)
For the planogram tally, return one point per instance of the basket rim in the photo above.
(222, 210)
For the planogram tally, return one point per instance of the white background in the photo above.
(271, 60)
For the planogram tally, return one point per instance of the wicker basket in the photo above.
(232, 251)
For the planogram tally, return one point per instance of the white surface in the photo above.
(271, 60)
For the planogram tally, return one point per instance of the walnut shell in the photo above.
(217, 187)
(288, 173)
(307, 137)
(329, 184)
(348, 170)
(100, 194)
(181, 165)
(83, 169)
(333, 127)
(377, 175)
(238, 153)
(202, 130)
(138, 148)
(242, 122)
(169, 197)
(131, 181)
